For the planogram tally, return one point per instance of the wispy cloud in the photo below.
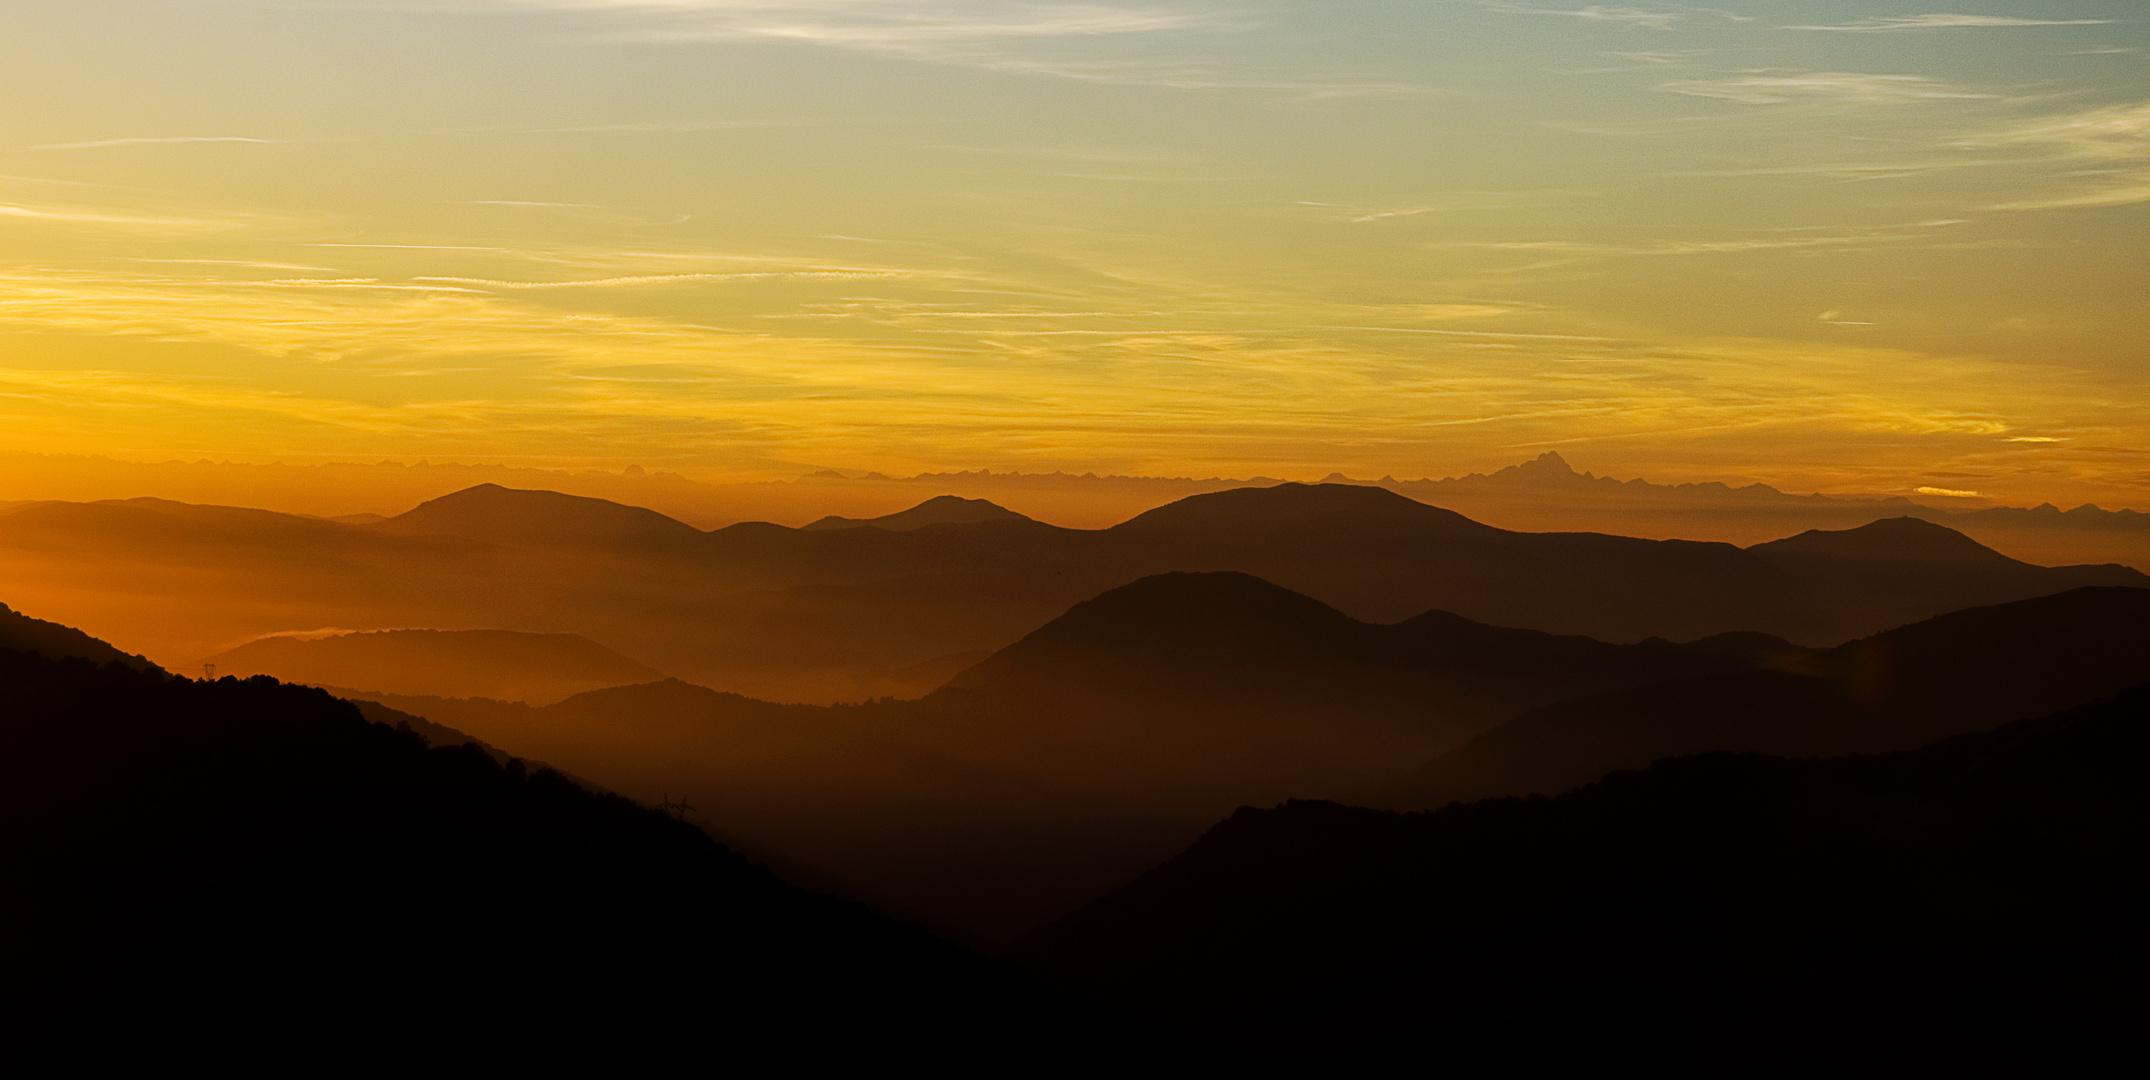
(1203, 76)
(249, 263)
(847, 274)
(1889, 24)
(876, 24)
(626, 128)
(122, 220)
(1771, 88)
(1023, 37)
(1594, 13)
(163, 140)
(2104, 154)
(2118, 132)
(1814, 240)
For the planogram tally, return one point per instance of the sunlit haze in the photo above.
(1870, 246)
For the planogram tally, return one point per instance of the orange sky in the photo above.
(1830, 246)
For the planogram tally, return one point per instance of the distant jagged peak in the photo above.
(1294, 506)
(1548, 463)
(938, 510)
(497, 514)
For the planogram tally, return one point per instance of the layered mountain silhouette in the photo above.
(251, 872)
(1970, 908)
(1222, 686)
(1087, 750)
(1548, 493)
(1382, 556)
(537, 668)
(798, 614)
(1961, 672)
(939, 510)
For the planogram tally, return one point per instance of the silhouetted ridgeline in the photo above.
(795, 614)
(939, 510)
(56, 642)
(250, 873)
(1964, 671)
(1971, 908)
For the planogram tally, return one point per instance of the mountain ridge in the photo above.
(938, 510)
(1943, 676)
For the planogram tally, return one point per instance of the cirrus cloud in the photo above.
(1773, 88)
(1890, 24)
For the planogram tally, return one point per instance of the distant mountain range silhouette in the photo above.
(250, 872)
(1378, 554)
(1956, 673)
(538, 668)
(1970, 908)
(799, 614)
(1548, 493)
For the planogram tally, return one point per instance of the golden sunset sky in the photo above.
(1842, 246)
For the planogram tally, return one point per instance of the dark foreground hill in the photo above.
(1970, 908)
(56, 642)
(249, 873)
(1964, 671)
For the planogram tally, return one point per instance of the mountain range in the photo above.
(1709, 913)
(1117, 730)
(1545, 494)
(1111, 736)
(1893, 691)
(800, 614)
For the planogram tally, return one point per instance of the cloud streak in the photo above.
(1891, 24)
(1656, 20)
(875, 24)
(164, 140)
(1771, 88)
(2104, 152)
(1041, 38)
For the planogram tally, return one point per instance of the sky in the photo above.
(1868, 246)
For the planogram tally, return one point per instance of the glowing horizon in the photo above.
(1831, 246)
